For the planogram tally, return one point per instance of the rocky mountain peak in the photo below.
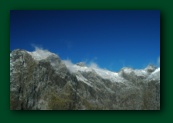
(150, 68)
(81, 64)
(40, 80)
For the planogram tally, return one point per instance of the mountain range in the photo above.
(40, 80)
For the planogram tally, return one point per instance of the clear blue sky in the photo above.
(112, 39)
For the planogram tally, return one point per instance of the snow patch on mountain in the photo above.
(105, 74)
(83, 79)
(155, 75)
(113, 76)
(75, 68)
(40, 54)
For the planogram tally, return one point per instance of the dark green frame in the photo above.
(164, 115)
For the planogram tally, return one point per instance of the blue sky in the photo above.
(111, 38)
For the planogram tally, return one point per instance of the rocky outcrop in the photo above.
(47, 83)
(82, 64)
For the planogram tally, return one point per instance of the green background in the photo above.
(164, 115)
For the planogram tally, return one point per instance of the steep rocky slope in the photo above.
(42, 81)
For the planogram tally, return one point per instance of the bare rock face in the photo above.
(47, 83)
(32, 83)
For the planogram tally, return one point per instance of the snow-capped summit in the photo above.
(40, 54)
(82, 64)
(150, 68)
(155, 75)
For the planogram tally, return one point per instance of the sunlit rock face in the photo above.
(40, 80)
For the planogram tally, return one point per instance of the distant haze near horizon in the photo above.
(110, 38)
